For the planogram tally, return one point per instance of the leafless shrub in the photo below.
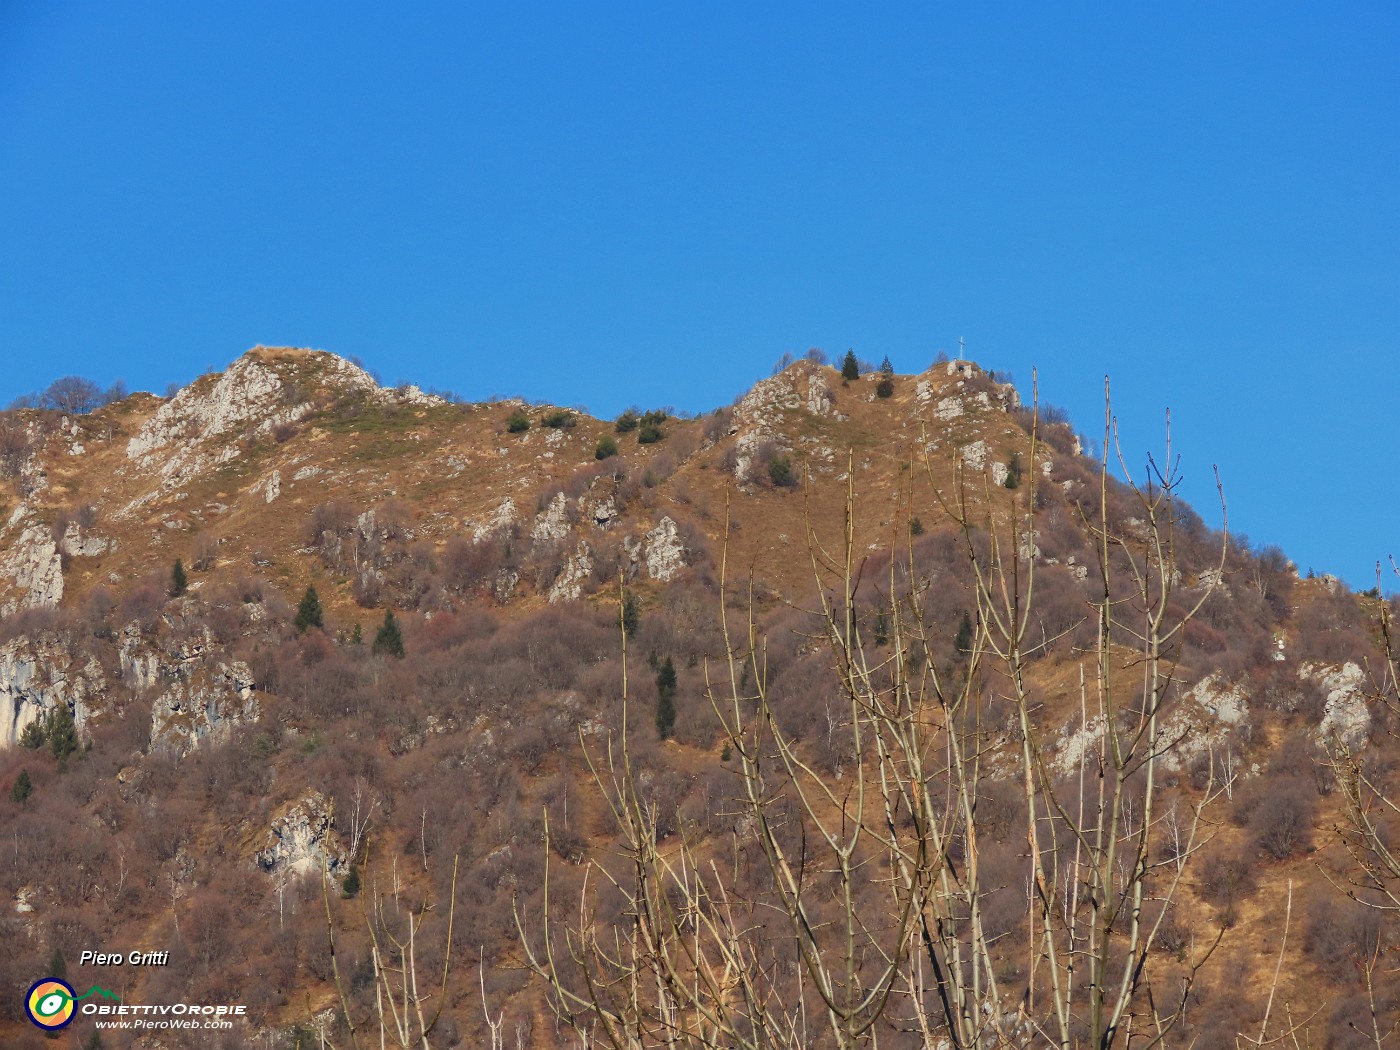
(142, 604)
(367, 588)
(1331, 628)
(1226, 878)
(717, 425)
(334, 517)
(206, 552)
(1281, 824)
(1342, 935)
(16, 445)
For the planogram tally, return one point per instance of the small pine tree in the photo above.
(665, 700)
(389, 638)
(627, 422)
(916, 527)
(607, 447)
(93, 1041)
(309, 611)
(518, 422)
(58, 965)
(22, 789)
(357, 636)
(631, 615)
(35, 735)
(882, 628)
(62, 734)
(179, 582)
(885, 387)
(781, 472)
(351, 886)
(1013, 472)
(962, 641)
(850, 367)
(887, 369)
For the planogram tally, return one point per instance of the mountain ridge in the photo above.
(225, 746)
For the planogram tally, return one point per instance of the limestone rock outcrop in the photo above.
(302, 838)
(203, 708)
(36, 675)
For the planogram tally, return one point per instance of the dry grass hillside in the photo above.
(212, 761)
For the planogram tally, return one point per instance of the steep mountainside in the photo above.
(236, 738)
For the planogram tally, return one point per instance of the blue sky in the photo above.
(616, 203)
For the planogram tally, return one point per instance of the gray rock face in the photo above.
(203, 708)
(141, 666)
(1202, 721)
(269, 487)
(553, 522)
(665, 554)
(302, 839)
(577, 568)
(974, 456)
(38, 675)
(500, 521)
(1345, 717)
(760, 415)
(36, 567)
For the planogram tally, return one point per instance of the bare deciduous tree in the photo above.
(403, 1014)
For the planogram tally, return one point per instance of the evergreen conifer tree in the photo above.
(850, 367)
(58, 965)
(35, 735)
(962, 641)
(1013, 472)
(351, 886)
(309, 611)
(179, 582)
(389, 638)
(665, 699)
(23, 787)
(631, 615)
(62, 733)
